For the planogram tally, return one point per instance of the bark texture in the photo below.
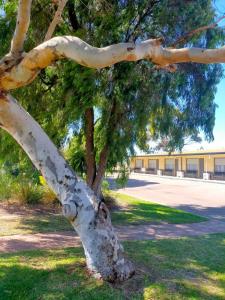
(76, 49)
(89, 146)
(22, 25)
(56, 20)
(88, 215)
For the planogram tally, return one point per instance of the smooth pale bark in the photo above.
(88, 215)
(56, 20)
(22, 25)
(81, 52)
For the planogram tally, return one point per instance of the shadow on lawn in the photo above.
(144, 212)
(45, 223)
(190, 268)
(130, 183)
(217, 213)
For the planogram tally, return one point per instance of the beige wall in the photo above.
(209, 161)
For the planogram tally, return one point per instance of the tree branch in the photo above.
(183, 39)
(72, 15)
(76, 49)
(56, 20)
(22, 25)
(89, 146)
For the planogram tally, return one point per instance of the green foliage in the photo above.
(24, 188)
(75, 154)
(105, 186)
(27, 192)
(6, 184)
(123, 176)
(20, 188)
(134, 103)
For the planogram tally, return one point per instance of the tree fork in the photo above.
(87, 214)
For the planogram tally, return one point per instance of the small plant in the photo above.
(27, 192)
(6, 181)
(105, 186)
(49, 197)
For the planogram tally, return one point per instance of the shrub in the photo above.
(105, 186)
(48, 197)
(27, 192)
(6, 181)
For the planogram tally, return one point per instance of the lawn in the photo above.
(27, 224)
(136, 211)
(176, 269)
(128, 211)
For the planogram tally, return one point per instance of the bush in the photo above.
(105, 186)
(6, 181)
(26, 188)
(48, 197)
(27, 192)
(19, 188)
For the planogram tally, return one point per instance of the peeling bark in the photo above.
(87, 214)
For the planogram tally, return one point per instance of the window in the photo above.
(152, 164)
(138, 163)
(220, 165)
(170, 164)
(192, 164)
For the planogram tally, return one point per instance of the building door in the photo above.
(201, 167)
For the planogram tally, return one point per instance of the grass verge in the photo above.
(177, 269)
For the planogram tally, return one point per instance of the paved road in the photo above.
(202, 198)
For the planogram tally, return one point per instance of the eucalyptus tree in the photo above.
(87, 213)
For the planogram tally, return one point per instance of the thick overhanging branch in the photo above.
(76, 49)
(22, 25)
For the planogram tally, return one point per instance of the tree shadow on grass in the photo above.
(217, 213)
(131, 183)
(190, 268)
(142, 213)
(187, 268)
(45, 223)
(58, 274)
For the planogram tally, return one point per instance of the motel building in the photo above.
(208, 165)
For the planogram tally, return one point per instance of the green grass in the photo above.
(131, 211)
(176, 269)
(136, 211)
(28, 224)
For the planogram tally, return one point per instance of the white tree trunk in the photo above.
(88, 215)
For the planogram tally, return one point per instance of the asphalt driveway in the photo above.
(202, 198)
